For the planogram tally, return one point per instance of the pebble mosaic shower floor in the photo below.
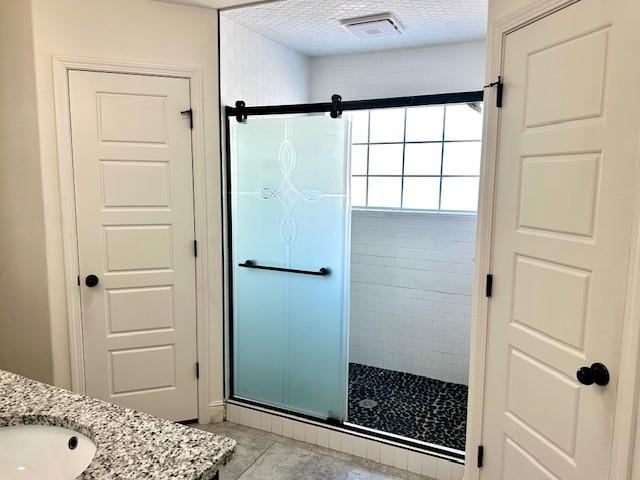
(404, 404)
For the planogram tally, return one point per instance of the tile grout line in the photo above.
(239, 477)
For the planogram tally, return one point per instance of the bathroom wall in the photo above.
(411, 280)
(135, 31)
(258, 70)
(411, 272)
(403, 72)
(25, 343)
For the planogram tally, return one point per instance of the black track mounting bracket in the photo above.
(499, 85)
(240, 117)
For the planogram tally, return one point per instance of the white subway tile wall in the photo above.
(411, 282)
(427, 70)
(258, 70)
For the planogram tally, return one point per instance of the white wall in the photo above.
(25, 345)
(500, 8)
(393, 73)
(411, 281)
(258, 70)
(123, 30)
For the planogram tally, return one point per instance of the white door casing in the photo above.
(562, 228)
(133, 178)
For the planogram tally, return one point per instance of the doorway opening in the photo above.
(380, 343)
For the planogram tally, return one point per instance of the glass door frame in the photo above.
(335, 108)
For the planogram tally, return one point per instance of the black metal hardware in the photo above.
(488, 287)
(241, 111)
(195, 248)
(333, 420)
(197, 369)
(499, 84)
(78, 280)
(323, 272)
(499, 93)
(336, 106)
(91, 281)
(597, 373)
(190, 113)
(73, 443)
(480, 459)
(240, 114)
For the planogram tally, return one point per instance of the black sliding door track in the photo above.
(241, 111)
(354, 429)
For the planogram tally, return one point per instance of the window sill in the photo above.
(415, 211)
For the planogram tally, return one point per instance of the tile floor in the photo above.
(415, 407)
(265, 456)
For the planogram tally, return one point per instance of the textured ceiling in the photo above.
(313, 27)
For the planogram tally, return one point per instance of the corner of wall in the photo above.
(25, 345)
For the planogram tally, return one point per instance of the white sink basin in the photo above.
(41, 451)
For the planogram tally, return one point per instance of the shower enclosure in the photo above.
(288, 214)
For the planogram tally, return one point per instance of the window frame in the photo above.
(442, 141)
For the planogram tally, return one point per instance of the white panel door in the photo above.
(564, 201)
(134, 206)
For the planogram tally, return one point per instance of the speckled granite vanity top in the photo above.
(130, 444)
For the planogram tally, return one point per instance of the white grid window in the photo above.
(417, 158)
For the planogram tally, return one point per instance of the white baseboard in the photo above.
(398, 457)
(216, 411)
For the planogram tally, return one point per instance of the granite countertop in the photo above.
(129, 444)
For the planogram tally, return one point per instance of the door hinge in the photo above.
(195, 248)
(480, 456)
(190, 113)
(499, 85)
(488, 288)
(197, 369)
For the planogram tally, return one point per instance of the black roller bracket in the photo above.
(336, 106)
(499, 86)
(241, 117)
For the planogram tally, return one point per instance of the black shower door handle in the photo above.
(323, 272)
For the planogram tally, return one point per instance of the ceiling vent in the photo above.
(372, 26)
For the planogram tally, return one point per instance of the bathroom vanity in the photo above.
(48, 432)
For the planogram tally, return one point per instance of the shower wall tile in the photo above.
(258, 70)
(395, 73)
(411, 282)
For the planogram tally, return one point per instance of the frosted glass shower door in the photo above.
(290, 211)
